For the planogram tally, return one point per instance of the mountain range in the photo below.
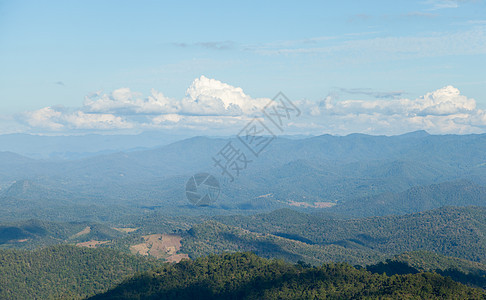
(314, 172)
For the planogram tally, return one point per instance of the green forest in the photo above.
(247, 276)
(65, 272)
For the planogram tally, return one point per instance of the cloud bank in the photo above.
(442, 111)
(211, 107)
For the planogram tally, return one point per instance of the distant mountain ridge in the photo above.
(81, 146)
(322, 169)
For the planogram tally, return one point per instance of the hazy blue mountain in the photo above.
(309, 170)
(80, 146)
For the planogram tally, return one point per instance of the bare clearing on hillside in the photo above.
(160, 246)
(82, 232)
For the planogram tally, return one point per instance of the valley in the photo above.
(380, 213)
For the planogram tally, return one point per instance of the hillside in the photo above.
(451, 231)
(449, 241)
(33, 234)
(65, 272)
(247, 276)
(460, 270)
(288, 234)
(213, 238)
(415, 199)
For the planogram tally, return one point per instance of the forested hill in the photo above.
(464, 271)
(65, 272)
(247, 276)
(415, 199)
(451, 231)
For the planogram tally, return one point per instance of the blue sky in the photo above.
(53, 54)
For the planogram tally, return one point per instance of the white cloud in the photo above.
(58, 119)
(440, 4)
(46, 118)
(204, 97)
(222, 124)
(442, 111)
(212, 106)
(81, 120)
(210, 96)
(444, 101)
(208, 103)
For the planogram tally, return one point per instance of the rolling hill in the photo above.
(451, 231)
(65, 272)
(246, 276)
(415, 199)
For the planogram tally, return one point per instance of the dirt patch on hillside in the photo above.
(126, 230)
(82, 232)
(18, 241)
(160, 246)
(91, 244)
(177, 258)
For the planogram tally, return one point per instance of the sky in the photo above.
(210, 67)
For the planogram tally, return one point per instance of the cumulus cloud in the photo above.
(210, 105)
(210, 96)
(206, 101)
(124, 101)
(58, 119)
(442, 111)
(46, 118)
(444, 101)
(204, 97)
(82, 120)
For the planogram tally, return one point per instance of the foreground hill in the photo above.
(464, 271)
(296, 237)
(69, 272)
(65, 272)
(247, 276)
